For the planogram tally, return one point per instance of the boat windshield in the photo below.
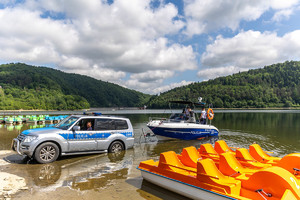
(66, 123)
(177, 116)
(180, 117)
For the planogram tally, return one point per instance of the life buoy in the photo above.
(210, 114)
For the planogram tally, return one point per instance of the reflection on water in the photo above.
(94, 172)
(277, 132)
(79, 173)
(10, 131)
(158, 192)
(274, 131)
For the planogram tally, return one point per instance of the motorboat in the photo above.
(179, 126)
(199, 175)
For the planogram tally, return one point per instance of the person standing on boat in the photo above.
(187, 113)
(203, 116)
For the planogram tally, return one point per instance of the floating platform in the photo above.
(223, 173)
(31, 119)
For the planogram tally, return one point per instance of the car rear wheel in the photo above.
(46, 153)
(116, 147)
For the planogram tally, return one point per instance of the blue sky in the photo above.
(150, 46)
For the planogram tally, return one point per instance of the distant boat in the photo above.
(180, 127)
(41, 119)
(9, 120)
(32, 119)
(18, 120)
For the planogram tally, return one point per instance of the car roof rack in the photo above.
(92, 113)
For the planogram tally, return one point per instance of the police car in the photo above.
(76, 134)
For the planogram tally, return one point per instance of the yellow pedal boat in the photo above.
(222, 176)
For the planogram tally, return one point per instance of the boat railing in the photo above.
(171, 120)
(157, 118)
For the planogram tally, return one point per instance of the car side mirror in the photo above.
(76, 128)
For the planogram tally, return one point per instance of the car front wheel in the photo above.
(46, 153)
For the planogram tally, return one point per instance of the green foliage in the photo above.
(29, 87)
(277, 85)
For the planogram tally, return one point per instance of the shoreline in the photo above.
(116, 109)
(136, 108)
(113, 111)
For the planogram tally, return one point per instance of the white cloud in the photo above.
(171, 86)
(212, 73)
(157, 55)
(147, 81)
(279, 4)
(151, 76)
(154, 87)
(204, 16)
(152, 82)
(124, 37)
(248, 49)
(282, 14)
(129, 39)
(104, 74)
(72, 63)
(42, 41)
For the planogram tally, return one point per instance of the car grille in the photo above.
(21, 137)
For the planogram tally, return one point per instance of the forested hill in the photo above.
(30, 87)
(277, 85)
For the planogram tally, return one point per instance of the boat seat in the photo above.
(244, 157)
(222, 147)
(258, 154)
(207, 172)
(147, 164)
(189, 156)
(207, 151)
(170, 161)
(208, 167)
(230, 166)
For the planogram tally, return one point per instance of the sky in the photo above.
(150, 45)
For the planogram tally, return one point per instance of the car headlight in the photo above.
(29, 138)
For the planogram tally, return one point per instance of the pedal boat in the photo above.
(254, 157)
(196, 177)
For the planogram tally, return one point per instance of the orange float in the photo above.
(210, 114)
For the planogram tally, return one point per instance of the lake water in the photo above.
(276, 131)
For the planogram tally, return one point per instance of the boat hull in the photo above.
(181, 188)
(185, 133)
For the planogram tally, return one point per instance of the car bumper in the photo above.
(129, 143)
(20, 148)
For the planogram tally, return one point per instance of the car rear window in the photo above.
(110, 124)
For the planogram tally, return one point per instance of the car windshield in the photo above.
(66, 123)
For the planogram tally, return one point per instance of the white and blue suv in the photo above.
(73, 136)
